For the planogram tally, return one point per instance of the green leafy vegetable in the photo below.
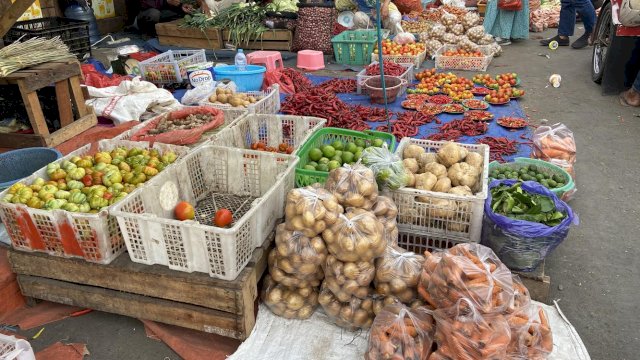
(515, 203)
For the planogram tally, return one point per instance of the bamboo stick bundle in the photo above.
(34, 51)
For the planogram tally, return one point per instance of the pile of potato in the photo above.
(453, 170)
(289, 302)
(398, 273)
(299, 255)
(353, 186)
(311, 210)
(356, 236)
(386, 211)
(227, 96)
(347, 279)
(289, 279)
(352, 314)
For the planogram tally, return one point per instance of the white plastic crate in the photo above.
(480, 63)
(230, 115)
(416, 60)
(268, 104)
(272, 130)
(153, 236)
(414, 215)
(93, 237)
(171, 66)
(12, 348)
(411, 240)
(407, 75)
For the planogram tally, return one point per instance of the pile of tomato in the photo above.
(463, 53)
(389, 47)
(283, 148)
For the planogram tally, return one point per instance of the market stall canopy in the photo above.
(9, 13)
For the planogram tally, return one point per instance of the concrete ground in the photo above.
(594, 273)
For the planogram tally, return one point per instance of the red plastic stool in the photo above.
(271, 59)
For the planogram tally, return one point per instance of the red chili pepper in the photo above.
(499, 147)
(390, 68)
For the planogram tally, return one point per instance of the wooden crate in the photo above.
(171, 34)
(276, 39)
(150, 292)
(66, 77)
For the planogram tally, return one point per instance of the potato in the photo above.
(397, 274)
(425, 181)
(461, 190)
(411, 180)
(223, 98)
(352, 314)
(412, 152)
(353, 186)
(451, 153)
(442, 209)
(411, 165)
(282, 271)
(463, 174)
(475, 160)
(310, 210)
(381, 301)
(288, 302)
(436, 169)
(299, 255)
(427, 158)
(443, 185)
(357, 236)
(347, 279)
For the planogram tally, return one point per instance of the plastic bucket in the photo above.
(393, 85)
(248, 80)
(18, 164)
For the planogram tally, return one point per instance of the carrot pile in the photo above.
(401, 333)
(531, 336)
(556, 145)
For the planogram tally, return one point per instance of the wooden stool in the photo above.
(66, 77)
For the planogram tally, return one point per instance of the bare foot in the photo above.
(630, 98)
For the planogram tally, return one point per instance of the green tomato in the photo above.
(77, 198)
(74, 184)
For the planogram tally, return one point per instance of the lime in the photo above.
(360, 149)
(357, 155)
(351, 147)
(322, 167)
(539, 177)
(360, 143)
(377, 142)
(315, 154)
(337, 158)
(338, 152)
(347, 157)
(337, 145)
(323, 160)
(558, 178)
(309, 167)
(329, 151)
(333, 164)
(312, 163)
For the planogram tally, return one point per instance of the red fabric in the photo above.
(278, 77)
(93, 135)
(510, 5)
(43, 313)
(93, 77)
(10, 294)
(407, 6)
(143, 55)
(60, 351)
(191, 344)
(180, 137)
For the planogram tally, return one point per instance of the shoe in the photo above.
(582, 41)
(561, 41)
(503, 42)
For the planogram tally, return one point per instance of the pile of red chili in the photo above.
(370, 113)
(440, 99)
(407, 124)
(499, 147)
(300, 82)
(339, 86)
(390, 68)
(324, 104)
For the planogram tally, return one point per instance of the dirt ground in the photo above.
(594, 273)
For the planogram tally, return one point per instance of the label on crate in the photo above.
(201, 74)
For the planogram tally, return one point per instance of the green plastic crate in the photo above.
(545, 167)
(306, 177)
(354, 47)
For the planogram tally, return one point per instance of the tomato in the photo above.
(184, 211)
(282, 147)
(223, 218)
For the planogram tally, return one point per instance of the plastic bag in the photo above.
(387, 167)
(520, 244)
(531, 337)
(278, 77)
(180, 136)
(95, 78)
(353, 186)
(428, 267)
(290, 303)
(311, 210)
(352, 315)
(401, 333)
(299, 255)
(474, 272)
(386, 211)
(356, 236)
(291, 280)
(347, 279)
(397, 274)
(198, 94)
(463, 333)
(404, 38)
(556, 145)
(521, 297)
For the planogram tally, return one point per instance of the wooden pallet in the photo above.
(66, 77)
(170, 34)
(150, 292)
(277, 39)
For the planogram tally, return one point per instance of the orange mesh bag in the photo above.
(181, 127)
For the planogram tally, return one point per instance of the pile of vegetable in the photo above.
(390, 47)
(339, 86)
(289, 302)
(499, 147)
(354, 186)
(528, 173)
(227, 96)
(282, 148)
(460, 127)
(244, 22)
(88, 184)
(332, 156)
(347, 279)
(353, 314)
(323, 104)
(390, 68)
(398, 273)
(515, 203)
(191, 121)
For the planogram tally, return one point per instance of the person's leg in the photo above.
(632, 96)
(633, 65)
(147, 20)
(169, 15)
(588, 15)
(566, 25)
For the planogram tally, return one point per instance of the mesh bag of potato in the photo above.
(356, 236)
(353, 186)
(398, 273)
(353, 314)
(298, 255)
(289, 302)
(386, 211)
(311, 210)
(347, 279)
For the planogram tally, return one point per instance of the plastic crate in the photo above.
(93, 237)
(418, 243)
(354, 47)
(268, 104)
(416, 60)
(465, 225)
(543, 166)
(74, 33)
(407, 75)
(328, 135)
(153, 236)
(170, 67)
(271, 130)
(12, 348)
(462, 62)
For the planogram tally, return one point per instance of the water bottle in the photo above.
(241, 61)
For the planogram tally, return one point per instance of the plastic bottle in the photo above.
(241, 60)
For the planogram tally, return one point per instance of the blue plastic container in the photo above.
(249, 80)
(18, 164)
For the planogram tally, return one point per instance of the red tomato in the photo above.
(184, 211)
(223, 218)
